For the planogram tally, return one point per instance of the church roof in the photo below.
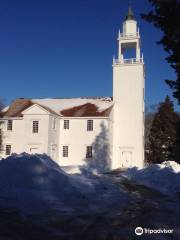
(130, 15)
(86, 110)
(72, 107)
(16, 108)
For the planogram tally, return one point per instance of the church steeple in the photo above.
(129, 39)
(128, 97)
(130, 15)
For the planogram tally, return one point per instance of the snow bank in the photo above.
(76, 169)
(34, 183)
(163, 177)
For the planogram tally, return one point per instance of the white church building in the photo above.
(105, 132)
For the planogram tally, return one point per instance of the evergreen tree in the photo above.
(163, 133)
(165, 15)
(177, 142)
(149, 116)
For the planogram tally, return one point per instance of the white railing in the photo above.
(128, 61)
(125, 35)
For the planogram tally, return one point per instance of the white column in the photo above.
(120, 51)
(137, 51)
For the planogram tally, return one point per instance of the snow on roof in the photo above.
(70, 107)
(59, 105)
(16, 108)
(5, 109)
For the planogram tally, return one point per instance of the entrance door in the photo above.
(126, 159)
(34, 150)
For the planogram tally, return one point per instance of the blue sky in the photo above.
(59, 48)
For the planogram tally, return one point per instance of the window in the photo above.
(89, 152)
(66, 124)
(9, 125)
(54, 124)
(65, 151)
(35, 127)
(89, 125)
(8, 149)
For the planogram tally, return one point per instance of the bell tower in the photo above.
(128, 97)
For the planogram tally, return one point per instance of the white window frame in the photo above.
(90, 125)
(65, 151)
(7, 150)
(89, 152)
(35, 129)
(66, 124)
(9, 125)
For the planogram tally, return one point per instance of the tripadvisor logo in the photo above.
(139, 231)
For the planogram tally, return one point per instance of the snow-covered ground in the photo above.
(27, 181)
(163, 177)
(39, 200)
